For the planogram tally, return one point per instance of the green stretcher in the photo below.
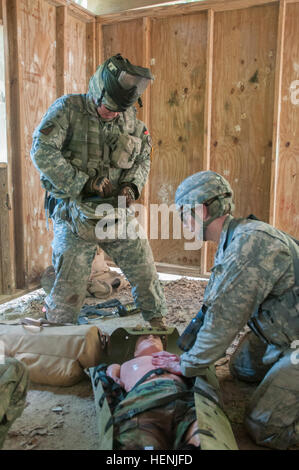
(215, 429)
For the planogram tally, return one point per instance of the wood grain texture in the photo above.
(131, 39)
(178, 51)
(11, 14)
(61, 49)
(126, 38)
(287, 194)
(6, 255)
(11, 133)
(37, 56)
(182, 9)
(277, 110)
(242, 107)
(76, 72)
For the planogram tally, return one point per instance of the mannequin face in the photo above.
(147, 345)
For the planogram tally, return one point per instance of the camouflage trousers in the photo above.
(14, 381)
(158, 428)
(272, 416)
(74, 248)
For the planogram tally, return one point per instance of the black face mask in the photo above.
(124, 82)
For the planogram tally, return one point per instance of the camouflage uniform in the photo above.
(159, 427)
(14, 381)
(71, 145)
(256, 269)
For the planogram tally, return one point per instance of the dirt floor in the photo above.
(58, 418)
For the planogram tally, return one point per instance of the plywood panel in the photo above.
(178, 51)
(286, 215)
(129, 39)
(124, 38)
(242, 104)
(76, 73)
(37, 54)
(6, 258)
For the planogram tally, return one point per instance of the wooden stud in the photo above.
(74, 9)
(9, 203)
(208, 117)
(286, 195)
(6, 260)
(61, 49)
(145, 115)
(99, 52)
(277, 111)
(11, 16)
(91, 64)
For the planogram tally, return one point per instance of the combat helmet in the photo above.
(118, 84)
(209, 188)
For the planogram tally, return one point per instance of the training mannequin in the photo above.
(171, 426)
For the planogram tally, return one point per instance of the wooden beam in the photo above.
(6, 255)
(99, 52)
(277, 112)
(15, 139)
(207, 118)
(182, 9)
(74, 9)
(146, 113)
(1, 13)
(61, 49)
(91, 63)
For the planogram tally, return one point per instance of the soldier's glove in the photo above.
(158, 322)
(128, 193)
(100, 186)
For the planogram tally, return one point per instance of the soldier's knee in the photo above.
(270, 436)
(19, 371)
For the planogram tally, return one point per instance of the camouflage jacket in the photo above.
(71, 145)
(250, 282)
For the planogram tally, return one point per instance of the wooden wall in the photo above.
(50, 51)
(221, 100)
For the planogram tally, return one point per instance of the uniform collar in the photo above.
(222, 239)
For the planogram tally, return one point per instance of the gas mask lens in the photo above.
(128, 81)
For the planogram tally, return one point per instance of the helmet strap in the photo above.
(99, 102)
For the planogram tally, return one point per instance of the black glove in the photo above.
(99, 185)
(129, 193)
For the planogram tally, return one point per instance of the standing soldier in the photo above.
(90, 149)
(255, 280)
